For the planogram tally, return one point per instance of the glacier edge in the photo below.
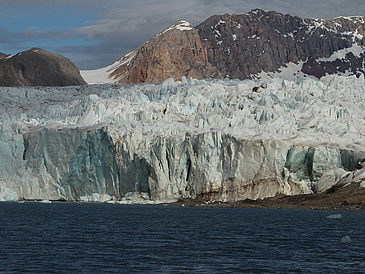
(208, 140)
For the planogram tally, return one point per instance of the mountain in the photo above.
(38, 67)
(175, 52)
(255, 45)
(249, 45)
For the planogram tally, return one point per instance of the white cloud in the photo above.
(120, 25)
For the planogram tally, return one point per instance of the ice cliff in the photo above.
(208, 139)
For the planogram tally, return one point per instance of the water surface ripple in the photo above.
(102, 238)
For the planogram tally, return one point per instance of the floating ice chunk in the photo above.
(92, 198)
(334, 216)
(96, 197)
(105, 198)
(346, 239)
(135, 198)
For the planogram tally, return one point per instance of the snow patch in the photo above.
(356, 50)
(219, 23)
(102, 76)
(97, 76)
(179, 25)
(289, 72)
(8, 57)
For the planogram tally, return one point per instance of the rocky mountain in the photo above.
(38, 67)
(245, 45)
(255, 45)
(175, 52)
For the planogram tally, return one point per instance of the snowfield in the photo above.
(222, 140)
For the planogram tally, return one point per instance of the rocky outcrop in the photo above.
(38, 67)
(349, 65)
(176, 52)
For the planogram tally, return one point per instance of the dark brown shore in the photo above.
(350, 197)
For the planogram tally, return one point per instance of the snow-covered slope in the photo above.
(207, 139)
(104, 75)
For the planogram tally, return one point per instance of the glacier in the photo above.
(211, 140)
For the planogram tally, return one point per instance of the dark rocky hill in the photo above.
(38, 67)
(242, 45)
(248, 46)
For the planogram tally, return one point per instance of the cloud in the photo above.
(140, 18)
(95, 56)
(114, 27)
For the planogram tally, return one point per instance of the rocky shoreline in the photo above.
(350, 197)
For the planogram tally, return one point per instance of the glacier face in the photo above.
(223, 140)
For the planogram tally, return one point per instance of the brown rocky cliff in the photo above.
(176, 52)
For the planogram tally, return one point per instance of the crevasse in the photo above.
(223, 140)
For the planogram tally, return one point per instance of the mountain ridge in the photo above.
(253, 45)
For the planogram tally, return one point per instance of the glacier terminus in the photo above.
(212, 140)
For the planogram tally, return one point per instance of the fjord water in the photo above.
(104, 238)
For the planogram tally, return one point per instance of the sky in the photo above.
(95, 33)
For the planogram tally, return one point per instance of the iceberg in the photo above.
(346, 239)
(213, 140)
(96, 197)
(334, 216)
(135, 198)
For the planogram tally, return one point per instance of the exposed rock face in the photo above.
(247, 46)
(176, 52)
(38, 67)
(241, 45)
(349, 65)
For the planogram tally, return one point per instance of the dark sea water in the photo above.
(103, 238)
